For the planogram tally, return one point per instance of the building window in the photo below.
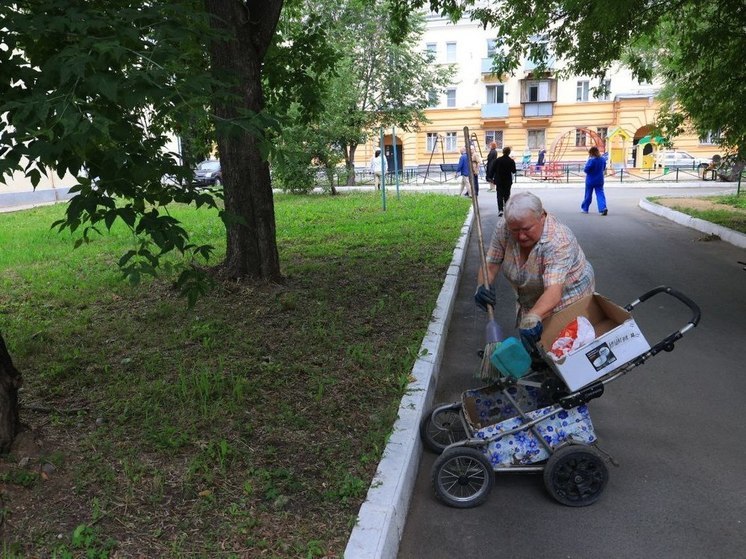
(582, 90)
(535, 139)
(711, 138)
(495, 94)
(432, 140)
(451, 97)
(432, 48)
(491, 47)
(603, 131)
(494, 136)
(451, 141)
(604, 90)
(581, 138)
(450, 52)
(432, 99)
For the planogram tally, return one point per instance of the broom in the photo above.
(492, 332)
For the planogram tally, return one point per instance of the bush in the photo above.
(293, 173)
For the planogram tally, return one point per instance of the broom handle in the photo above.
(475, 206)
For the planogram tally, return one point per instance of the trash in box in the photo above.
(618, 340)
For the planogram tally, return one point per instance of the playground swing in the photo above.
(438, 141)
(447, 168)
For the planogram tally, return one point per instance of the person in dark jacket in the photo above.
(540, 158)
(463, 172)
(595, 168)
(502, 174)
(491, 156)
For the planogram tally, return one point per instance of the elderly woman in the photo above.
(542, 260)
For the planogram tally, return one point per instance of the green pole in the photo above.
(396, 161)
(383, 175)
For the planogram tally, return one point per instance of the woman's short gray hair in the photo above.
(523, 204)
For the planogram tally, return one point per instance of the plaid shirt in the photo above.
(556, 259)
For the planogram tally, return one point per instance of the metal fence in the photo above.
(557, 173)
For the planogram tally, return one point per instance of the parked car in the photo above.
(681, 159)
(208, 173)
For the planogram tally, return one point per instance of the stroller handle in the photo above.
(667, 344)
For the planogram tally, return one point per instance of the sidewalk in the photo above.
(382, 516)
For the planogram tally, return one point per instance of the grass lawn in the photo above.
(247, 426)
(728, 211)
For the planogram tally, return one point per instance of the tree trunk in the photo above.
(350, 164)
(10, 382)
(251, 236)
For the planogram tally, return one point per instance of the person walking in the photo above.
(504, 169)
(526, 160)
(378, 168)
(489, 173)
(541, 158)
(595, 168)
(540, 161)
(463, 171)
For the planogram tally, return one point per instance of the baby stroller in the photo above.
(540, 422)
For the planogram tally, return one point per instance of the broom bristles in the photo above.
(488, 372)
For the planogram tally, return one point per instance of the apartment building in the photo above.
(529, 111)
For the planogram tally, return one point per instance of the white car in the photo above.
(681, 159)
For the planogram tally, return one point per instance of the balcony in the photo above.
(530, 65)
(540, 110)
(494, 110)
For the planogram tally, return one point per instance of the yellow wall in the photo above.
(634, 115)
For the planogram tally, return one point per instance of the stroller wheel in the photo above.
(445, 429)
(576, 475)
(463, 477)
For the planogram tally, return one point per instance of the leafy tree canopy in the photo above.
(94, 89)
(98, 89)
(372, 82)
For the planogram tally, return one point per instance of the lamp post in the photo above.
(396, 161)
(383, 174)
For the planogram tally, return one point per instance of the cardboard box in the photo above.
(618, 341)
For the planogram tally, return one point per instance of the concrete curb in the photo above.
(728, 235)
(381, 519)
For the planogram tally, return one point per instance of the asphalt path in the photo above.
(673, 424)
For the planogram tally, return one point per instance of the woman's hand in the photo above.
(485, 296)
(531, 327)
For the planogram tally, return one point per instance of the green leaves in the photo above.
(95, 90)
(353, 79)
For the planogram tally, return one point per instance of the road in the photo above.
(673, 424)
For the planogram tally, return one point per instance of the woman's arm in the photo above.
(548, 301)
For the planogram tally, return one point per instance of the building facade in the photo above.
(528, 111)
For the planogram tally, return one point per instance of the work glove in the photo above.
(485, 296)
(530, 329)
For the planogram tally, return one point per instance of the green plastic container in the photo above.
(511, 358)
